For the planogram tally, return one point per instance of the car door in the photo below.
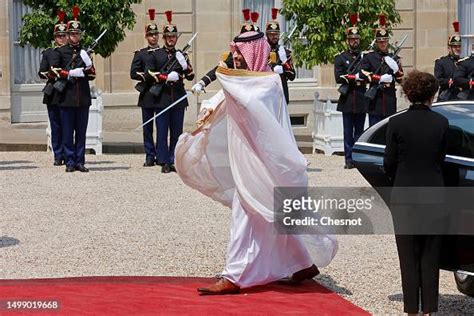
(367, 155)
(458, 250)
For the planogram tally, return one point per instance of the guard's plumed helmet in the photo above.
(250, 20)
(74, 26)
(353, 31)
(455, 39)
(169, 28)
(60, 27)
(273, 26)
(151, 27)
(381, 33)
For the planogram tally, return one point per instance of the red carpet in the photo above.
(169, 295)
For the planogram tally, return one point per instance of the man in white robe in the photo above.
(243, 149)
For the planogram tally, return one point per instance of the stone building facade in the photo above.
(427, 23)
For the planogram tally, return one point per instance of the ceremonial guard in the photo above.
(75, 71)
(464, 77)
(352, 101)
(51, 96)
(381, 70)
(146, 100)
(444, 67)
(227, 60)
(169, 76)
(282, 63)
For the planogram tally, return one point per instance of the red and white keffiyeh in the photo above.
(255, 52)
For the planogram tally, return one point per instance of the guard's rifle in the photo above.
(466, 93)
(157, 87)
(382, 69)
(60, 84)
(353, 68)
(285, 37)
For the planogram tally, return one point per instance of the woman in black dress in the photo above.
(414, 155)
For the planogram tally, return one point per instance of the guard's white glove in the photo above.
(278, 69)
(282, 54)
(85, 57)
(391, 63)
(197, 89)
(76, 73)
(181, 60)
(386, 78)
(358, 77)
(172, 77)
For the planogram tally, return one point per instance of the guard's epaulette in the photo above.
(463, 59)
(368, 51)
(153, 49)
(224, 56)
(337, 54)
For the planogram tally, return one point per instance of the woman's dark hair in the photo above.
(419, 86)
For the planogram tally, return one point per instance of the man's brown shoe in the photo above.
(300, 276)
(221, 287)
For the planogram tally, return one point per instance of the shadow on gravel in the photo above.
(6, 241)
(314, 170)
(92, 169)
(330, 283)
(448, 304)
(13, 162)
(100, 162)
(18, 167)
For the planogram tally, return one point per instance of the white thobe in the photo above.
(245, 150)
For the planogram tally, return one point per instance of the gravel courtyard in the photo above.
(124, 219)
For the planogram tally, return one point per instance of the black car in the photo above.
(368, 152)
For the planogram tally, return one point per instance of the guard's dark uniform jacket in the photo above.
(171, 90)
(289, 72)
(443, 71)
(50, 56)
(211, 75)
(464, 74)
(354, 101)
(385, 102)
(77, 92)
(137, 72)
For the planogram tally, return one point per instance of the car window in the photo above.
(461, 129)
(379, 136)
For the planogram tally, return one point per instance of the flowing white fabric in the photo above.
(245, 150)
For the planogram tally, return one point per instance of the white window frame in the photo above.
(466, 25)
(18, 87)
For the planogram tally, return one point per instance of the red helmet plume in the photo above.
(246, 13)
(354, 18)
(254, 16)
(75, 12)
(169, 16)
(151, 13)
(274, 13)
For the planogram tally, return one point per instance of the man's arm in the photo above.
(45, 67)
(340, 71)
(137, 68)
(366, 71)
(460, 76)
(189, 72)
(288, 68)
(439, 74)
